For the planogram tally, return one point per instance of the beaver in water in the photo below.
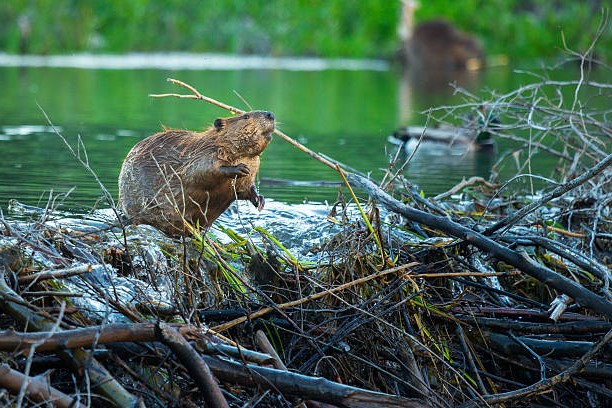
(178, 176)
(436, 44)
(439, 45)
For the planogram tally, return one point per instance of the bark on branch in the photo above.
(194, 363)
(545, 275)
(85, 337)
(314, 388)
(37, 389)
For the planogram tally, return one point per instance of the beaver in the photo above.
(437, 44)
(179, 176)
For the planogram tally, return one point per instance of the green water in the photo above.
(345, 114)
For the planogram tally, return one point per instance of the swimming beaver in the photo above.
(436, 44)
(178, 175)
(439, 45)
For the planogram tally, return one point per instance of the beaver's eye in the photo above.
(246, 116)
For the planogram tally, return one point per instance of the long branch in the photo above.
(545, 275)
(557, 192)
(197, 95)
(84, 337)
(544, 385)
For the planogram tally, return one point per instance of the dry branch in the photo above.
(37, 389)
(86, 337)
(578, 292)
(55, 274)
(318, 389)
(79, 359)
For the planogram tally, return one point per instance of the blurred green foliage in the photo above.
(329, 28)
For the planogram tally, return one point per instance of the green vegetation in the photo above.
(365, 28)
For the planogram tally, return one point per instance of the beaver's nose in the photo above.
(269, 115)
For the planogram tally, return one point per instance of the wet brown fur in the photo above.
(178, 175)
(439, 45)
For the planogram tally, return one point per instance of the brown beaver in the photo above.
(438, 45)
(178, 175)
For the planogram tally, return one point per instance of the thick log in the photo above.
(580, 327)
(313, 388)
(194, 363)
(550, 348)
(37, 389)
(545, 275)
(79, 359)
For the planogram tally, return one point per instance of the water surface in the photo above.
(343, 108)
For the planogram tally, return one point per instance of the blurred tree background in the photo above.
(328, 28)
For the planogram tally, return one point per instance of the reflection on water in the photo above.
(437, 160)
(187, 61)
(344, 109)
(435, 85)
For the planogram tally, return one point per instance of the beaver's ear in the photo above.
(219, 123)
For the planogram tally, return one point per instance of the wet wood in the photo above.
(86, 336)
(196, 366)
(319, 389)
(36, 389)
(578, 292)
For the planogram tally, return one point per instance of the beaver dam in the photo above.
(495, 293)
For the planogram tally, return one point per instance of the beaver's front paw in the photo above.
(258, 201)
(240, 170)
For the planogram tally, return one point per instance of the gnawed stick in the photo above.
(198, 369)
(54, 274)
(582, 295)
(37, 389)
(198, 96)
(463, 184)
(315, 388)
(266, 346)
(79, 359)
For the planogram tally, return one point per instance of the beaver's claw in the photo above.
(240, 170)
(258, 201)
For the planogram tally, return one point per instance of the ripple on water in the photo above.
(10, 132)
(299, 227)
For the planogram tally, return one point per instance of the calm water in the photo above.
(346, 112)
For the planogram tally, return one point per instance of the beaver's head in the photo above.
(248, 134)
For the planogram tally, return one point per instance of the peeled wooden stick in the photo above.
(267, 347)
